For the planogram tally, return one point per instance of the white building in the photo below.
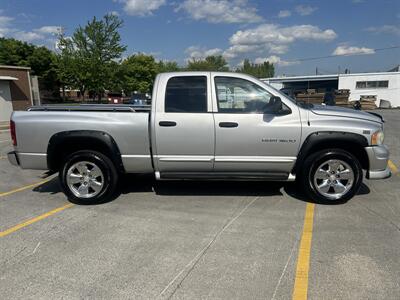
(383, 85)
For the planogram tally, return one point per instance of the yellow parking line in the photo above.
(303, 260)
(393, 167)
(24, 188)
(2, 157)
(33, 220)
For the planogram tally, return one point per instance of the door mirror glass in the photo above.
(274, 105)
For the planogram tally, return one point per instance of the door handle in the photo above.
(167, 123)
(228, 124)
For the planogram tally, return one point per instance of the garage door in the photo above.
(5, 101)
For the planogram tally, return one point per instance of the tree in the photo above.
(167, 66)
(139, 72)
(14, 52)
(87, 59)
(264, 70)
(40, 59)
(44, 64)
(210, 63)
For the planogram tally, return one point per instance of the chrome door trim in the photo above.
(183, 158)
(135, 156)
(32, 154)
(256, 159)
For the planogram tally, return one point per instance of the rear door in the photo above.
(184, 124)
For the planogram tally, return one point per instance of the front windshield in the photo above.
(293, 100)
(284, 95)
(280, 94)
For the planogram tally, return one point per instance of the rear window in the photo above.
(186, 94)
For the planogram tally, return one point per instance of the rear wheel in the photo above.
(332, 175)
(88, 177)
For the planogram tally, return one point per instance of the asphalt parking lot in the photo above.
(199, 240)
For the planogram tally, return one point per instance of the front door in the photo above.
(184, 125)
(248, 138)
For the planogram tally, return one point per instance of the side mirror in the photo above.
(274, 106)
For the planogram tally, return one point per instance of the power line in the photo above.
(336, 55)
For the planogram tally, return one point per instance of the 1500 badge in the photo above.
(278, 141)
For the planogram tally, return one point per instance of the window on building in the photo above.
(361, 84)
(372, 84)
(383, 84)
(186, 94)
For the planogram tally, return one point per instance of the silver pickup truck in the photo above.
(203, 126)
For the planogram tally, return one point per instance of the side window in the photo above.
(186, 94)
(235, 95)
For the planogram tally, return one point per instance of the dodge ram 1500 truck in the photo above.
(203, 126)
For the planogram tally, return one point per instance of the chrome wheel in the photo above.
(85, 179)
(333, 179)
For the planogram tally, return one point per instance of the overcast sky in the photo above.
(281, 31)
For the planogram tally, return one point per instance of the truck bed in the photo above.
(127, 125)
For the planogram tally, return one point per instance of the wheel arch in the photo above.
(64, 143)
(351, 142)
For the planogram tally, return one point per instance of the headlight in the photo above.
(377, 138)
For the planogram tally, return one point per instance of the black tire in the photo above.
(109, 177)
(312, 163)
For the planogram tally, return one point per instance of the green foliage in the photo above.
(263, 70)
(40, 59)
(139, 72)
(87, 60)
(210, 63)
(43, 63)
(14, 52)
(116, 80)
(167, 66)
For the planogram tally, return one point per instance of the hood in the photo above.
(326, 110)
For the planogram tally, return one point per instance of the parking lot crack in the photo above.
(37, 246)
(387, 220)
(14, 256)
(192, 264)
(284, 269)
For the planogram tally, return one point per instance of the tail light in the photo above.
(13, 133)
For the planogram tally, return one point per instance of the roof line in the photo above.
(8, 78)
(14, 67)
(325, 76)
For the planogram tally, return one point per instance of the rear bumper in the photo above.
(34, 161)
(378, 157)
(13, 158)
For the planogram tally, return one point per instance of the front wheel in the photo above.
(88, 177)
(331, 176)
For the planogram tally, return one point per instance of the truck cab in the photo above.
(222, 124)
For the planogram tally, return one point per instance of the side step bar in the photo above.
(224, 176)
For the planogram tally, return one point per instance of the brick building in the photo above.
(15, 90)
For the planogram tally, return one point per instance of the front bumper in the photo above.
(378, 157)
(13, 158)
